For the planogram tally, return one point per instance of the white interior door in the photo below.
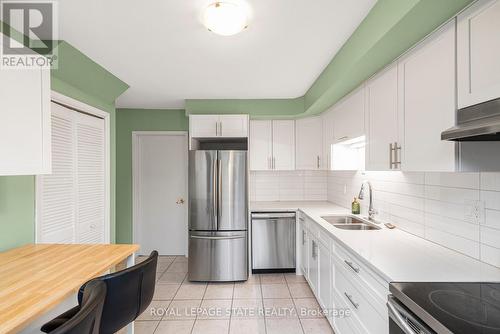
(160, 179)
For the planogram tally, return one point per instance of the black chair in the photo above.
(82, 319)
(129, 293)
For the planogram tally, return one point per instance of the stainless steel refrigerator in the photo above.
(218, 214)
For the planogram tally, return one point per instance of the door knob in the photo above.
(180, 201)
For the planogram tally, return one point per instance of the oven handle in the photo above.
(396, 316)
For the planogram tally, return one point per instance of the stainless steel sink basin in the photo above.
(338, 220)
(360, 227)
(350, 223)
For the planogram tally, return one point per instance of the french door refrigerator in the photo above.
(218, 214)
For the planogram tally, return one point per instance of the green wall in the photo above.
(80, 78)
(274, 108)
(391, 28)
(129, 120)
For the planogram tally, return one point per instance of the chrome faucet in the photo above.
(371, 211)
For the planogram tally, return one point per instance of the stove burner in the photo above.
(466, 307)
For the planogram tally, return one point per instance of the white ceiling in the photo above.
(161, 49)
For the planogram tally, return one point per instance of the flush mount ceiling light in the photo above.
(225, 18)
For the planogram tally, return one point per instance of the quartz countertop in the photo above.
(395, 255)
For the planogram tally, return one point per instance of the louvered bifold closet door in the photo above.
(90, 206)
(71, 200)
(57, 191)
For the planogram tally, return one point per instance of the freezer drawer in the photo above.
(273, 241)
(218, 256)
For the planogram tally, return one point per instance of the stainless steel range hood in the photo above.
(479, 122)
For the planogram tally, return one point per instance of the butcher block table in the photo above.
(38, 282)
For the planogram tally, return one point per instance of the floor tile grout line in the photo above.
(295, 306)
(263, 307)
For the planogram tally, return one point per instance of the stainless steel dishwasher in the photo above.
(273, 242)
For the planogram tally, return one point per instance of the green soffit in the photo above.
(79, 71)
(390, 29)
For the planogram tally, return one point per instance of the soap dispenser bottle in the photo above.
(356, 207)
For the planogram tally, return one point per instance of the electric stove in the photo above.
(444, 308)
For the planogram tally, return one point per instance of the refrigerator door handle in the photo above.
(218, 238)
(219, 189)
(214, 190)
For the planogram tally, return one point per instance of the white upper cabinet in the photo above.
(235, 126)
(261, 145)
(272, 145)
(382, 121)
(25, 126)
(284, 145)
(328, 118)
(209, 126)
(349, 116)
(203, 126)
(427, 103)
(478, 50)
(309, 145)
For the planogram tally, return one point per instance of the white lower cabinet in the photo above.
(352, 294)
(325, 277)
(303, 248)
(313, 264)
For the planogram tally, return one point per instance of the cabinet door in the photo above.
(260, 145)
(303, 250)
(325, 279)
(349, 116)
(309, 145)
(284, 145)
(25, 126)
(427, 103)
(382, 113)
(478, 53)
(235, 126)
(203, 126)
(313, 263)
(328, 137)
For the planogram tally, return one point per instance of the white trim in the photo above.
(80, 106)
(136, 173)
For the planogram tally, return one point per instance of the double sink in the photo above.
(350, 223)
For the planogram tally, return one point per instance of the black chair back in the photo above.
(129, 293)
(87, 319)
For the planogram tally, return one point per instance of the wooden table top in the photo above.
(35, 278)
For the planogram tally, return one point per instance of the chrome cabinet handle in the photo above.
(216, 128)
(349, 297)
(303, 237)
(220, 128)
(391, 153)
(397, 154)
(301, 219)
(274, 163)
(268, 162)
(351, 265)
(317, 161)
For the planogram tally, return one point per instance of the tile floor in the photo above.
(265, 304)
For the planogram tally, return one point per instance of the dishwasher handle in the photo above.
(272, 215)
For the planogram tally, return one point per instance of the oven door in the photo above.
(403, 321)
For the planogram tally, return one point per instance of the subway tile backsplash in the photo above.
(460, 211)
(288, 186)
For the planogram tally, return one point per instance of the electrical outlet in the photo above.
(473, 211)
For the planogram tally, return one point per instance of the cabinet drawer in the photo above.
(355, 270)
(368, 315)
(343, 324)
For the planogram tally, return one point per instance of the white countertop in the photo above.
(396, 255)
